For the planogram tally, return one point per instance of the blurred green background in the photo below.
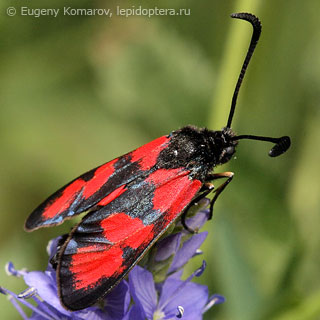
(78, 91)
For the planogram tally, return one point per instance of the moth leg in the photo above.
(207, 188)
(216, 176)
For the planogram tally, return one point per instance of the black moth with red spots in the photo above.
(133, 199)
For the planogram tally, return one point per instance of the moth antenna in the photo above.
(282, 144)
(256, 24)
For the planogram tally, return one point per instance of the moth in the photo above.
(132, 200)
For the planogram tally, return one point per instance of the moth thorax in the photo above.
(221, 145)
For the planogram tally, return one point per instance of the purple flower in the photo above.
(181, 247)
(43, 290)
(177, 298)
(157, 293)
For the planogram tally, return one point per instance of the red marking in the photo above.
(97, 261)
(95, 247)
(165, 195)
(172, 195)
(147, 154)
(111, 196)
(183, 199)
(121, 227)
(88, 268)
(141, 236)
(64, 200)
(162, 176)
(68, 195)
(101, 175)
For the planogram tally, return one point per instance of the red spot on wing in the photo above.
(111, 196)
(89, 267)
(88, 188)
(183, 199)
(131, 231)
(92, 263)
(64, 200)
(147, 154)
(174, 191)
(101, 176)
(161, 176)
(142, 236)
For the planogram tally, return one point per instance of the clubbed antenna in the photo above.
(281, 144)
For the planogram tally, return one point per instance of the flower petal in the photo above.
(187, 251)
(176, 275)
(46, 288)
(89, 314)
(192, 298)
(168, 246)
(142, 290)
(117, 302)
(196, 222)
(135, 313)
